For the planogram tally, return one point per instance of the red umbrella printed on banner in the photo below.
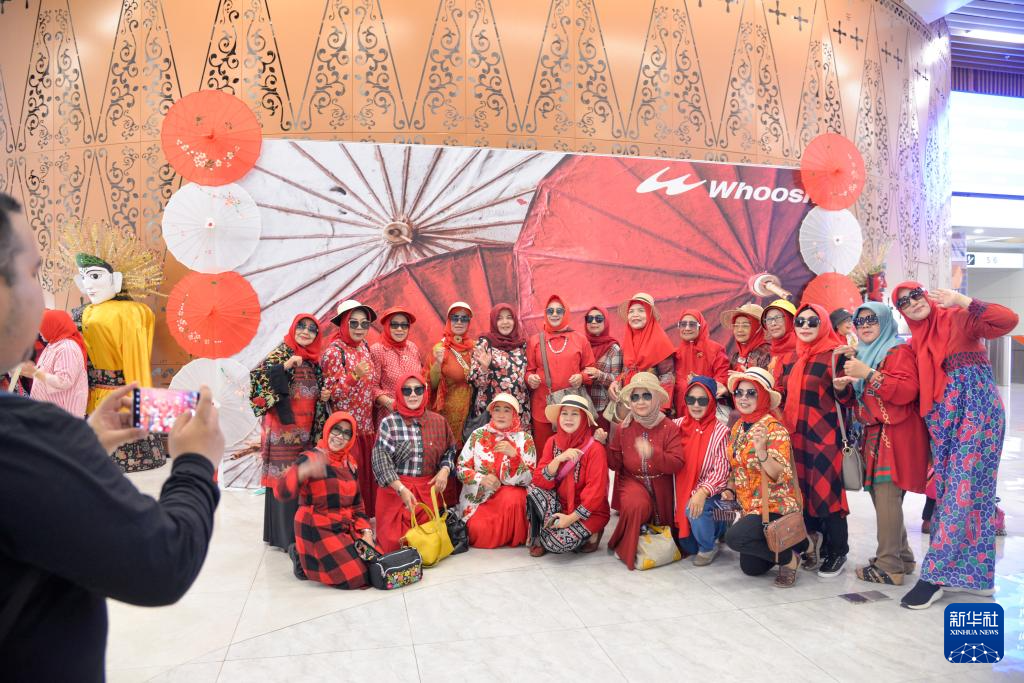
(603, 228)
(832, 171)
(213, 316)
(211, 137)
(832, 290)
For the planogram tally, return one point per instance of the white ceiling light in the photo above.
(979, 231)
(996, 36)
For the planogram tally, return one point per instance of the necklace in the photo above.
(565, 342)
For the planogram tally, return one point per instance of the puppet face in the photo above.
(98, 283)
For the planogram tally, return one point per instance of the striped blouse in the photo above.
(65, 382)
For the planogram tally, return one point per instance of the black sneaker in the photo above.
(832, 566)
(921, 596)
(293, 553)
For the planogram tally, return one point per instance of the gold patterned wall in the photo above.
(84, 85)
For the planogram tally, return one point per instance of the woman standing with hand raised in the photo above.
(499, 362)
(394, 357)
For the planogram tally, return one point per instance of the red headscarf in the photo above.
(516, 426)
(309, 353)
(930, 343)
(703, 346)
(401, 407)
(385, 318)
(756, 335)
(496, 339)
(786, 342)
(576, 439)
(600, 343)
(827, 340)
(448, 341)
(343, 333)
(764, 403)
(646, 347)
(58, 326)
(565, 318)
(344, 456)
(696, 439)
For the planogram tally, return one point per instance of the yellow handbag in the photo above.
(656, 546)
(430, 539)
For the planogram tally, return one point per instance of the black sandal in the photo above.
(874, 574)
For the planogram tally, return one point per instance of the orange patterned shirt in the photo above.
(746, 470)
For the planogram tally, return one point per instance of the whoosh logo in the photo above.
(720, 189)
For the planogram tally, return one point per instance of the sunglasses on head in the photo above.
(395, 325)
(697, 400)
(740, 393)
(645, 396)
(689, 324)
(598, 318)
(309, 327)
(460, 318)
(915, 295)
(359, 324)
(409, 391)
(807, 322)
(556, 311)
(865, 320)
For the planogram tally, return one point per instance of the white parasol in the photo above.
(831, 241)
(211, 229)
(229, 381)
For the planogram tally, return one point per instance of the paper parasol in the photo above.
(211, 229)
(832, 291)
(831, 241)
(211, 137)
(229, 381)
(213, 316)
(832, 171)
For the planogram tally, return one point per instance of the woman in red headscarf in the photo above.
(499, 362)
(330, 516)
(60, 375)
(567, 503)
(394, 357)
(751, 348)
(967, 422)
(607, 361)
(705, 472)
(811, 415)
(450, 365)
(777, 322)
(646, 347)
(566, 355)
(287, 392)
(698, 354)
(414, 452)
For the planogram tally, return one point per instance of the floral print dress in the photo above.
(506, 374)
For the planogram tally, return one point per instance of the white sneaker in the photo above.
(981, 592)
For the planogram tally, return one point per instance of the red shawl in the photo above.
(565, 318)
(930, 343)
(496, 339)
(58, 326)
(385, 336)
(343, 333)
(786, 342)
(312, 352)
(644, 348)
(600, 343)
(756, 335)
(764, 404)
(702, 347)
(696, 439)
(401, 407)
(344, 456)
(827, 340)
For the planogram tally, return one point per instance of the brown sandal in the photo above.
(786, 577)
(537, 551)
(593, 544)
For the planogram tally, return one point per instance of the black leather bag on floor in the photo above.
(458, 532)
(403, 567)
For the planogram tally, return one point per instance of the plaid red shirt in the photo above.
(413, 448)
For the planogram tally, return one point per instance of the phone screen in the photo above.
(155, 410)
(855, 598)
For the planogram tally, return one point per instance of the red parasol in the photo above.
(602, 228)
(211, 137)
(832, 290)
(481, 276)
(213, 316)
(832, 171)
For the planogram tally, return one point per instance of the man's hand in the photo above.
(199, 433)
(113, 426)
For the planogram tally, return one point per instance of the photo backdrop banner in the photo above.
(424, 226)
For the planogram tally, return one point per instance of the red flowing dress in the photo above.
(636, 508)
(568, 353)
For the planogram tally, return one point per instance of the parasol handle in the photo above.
(777, 291)
(766, 284)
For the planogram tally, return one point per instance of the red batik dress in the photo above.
(390, 366)
(639, 482)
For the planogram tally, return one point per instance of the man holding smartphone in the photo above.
(73, 528)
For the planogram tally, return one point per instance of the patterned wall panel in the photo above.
(736, 80)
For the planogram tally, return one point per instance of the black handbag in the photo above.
(403, 567)
(458, 532)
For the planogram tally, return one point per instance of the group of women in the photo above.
(521, 436)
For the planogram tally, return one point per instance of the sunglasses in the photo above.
(359, 324)
(409, 391)
(689, 324)
(398, 326)
(807, 322)
(558, 311)
(458, 318)
(865, 321)
(309, 327)
(774, 319)
(749, 393)
(342, 432)
(701, 401)
(645, 396)
(915, 295)
(589, 318)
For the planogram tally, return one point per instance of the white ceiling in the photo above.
(930, 10)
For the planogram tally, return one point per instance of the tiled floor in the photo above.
(502, 615)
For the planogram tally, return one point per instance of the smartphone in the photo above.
(855, 598)
(155, 410)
